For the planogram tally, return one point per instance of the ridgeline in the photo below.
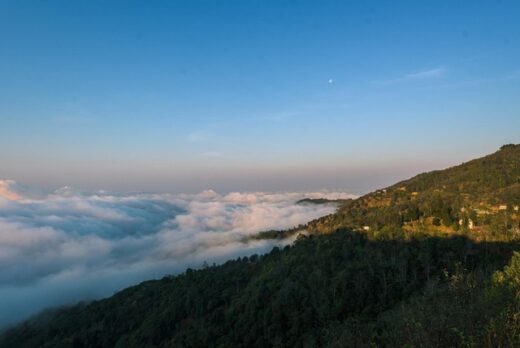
(480, 198)
(432, 261)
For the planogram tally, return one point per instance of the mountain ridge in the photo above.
(410, 265)
(468, 196)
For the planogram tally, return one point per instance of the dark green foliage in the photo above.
(330, 289)
(278, 234)
(396, 284)
(322, 201)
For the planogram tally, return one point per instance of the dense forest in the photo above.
(433, 261)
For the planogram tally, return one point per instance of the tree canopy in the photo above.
(432, 261)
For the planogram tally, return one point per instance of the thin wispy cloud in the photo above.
(197, 137)
(426, 74)
(416, 76)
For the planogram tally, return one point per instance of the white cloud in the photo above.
(9, 190)
(417, 76)
(426, 74)
(69, 245)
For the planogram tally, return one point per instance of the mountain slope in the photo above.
(480, 197)
(341, 288)
(397, 267)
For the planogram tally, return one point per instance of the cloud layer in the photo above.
(68, 245)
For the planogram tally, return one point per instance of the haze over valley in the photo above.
(259, 173)
(67, 245)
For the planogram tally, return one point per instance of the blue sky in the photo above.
(180, 96)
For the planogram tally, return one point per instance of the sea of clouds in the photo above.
(67, 245)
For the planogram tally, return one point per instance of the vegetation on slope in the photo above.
(432, 261)
(322, 201)
(327, 290)
(480, 198)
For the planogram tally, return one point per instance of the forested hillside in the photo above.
(327, 290)
(480, 198)
(432, 261)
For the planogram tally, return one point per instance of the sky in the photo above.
(182, 96)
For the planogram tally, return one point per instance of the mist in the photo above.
(68, 245)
